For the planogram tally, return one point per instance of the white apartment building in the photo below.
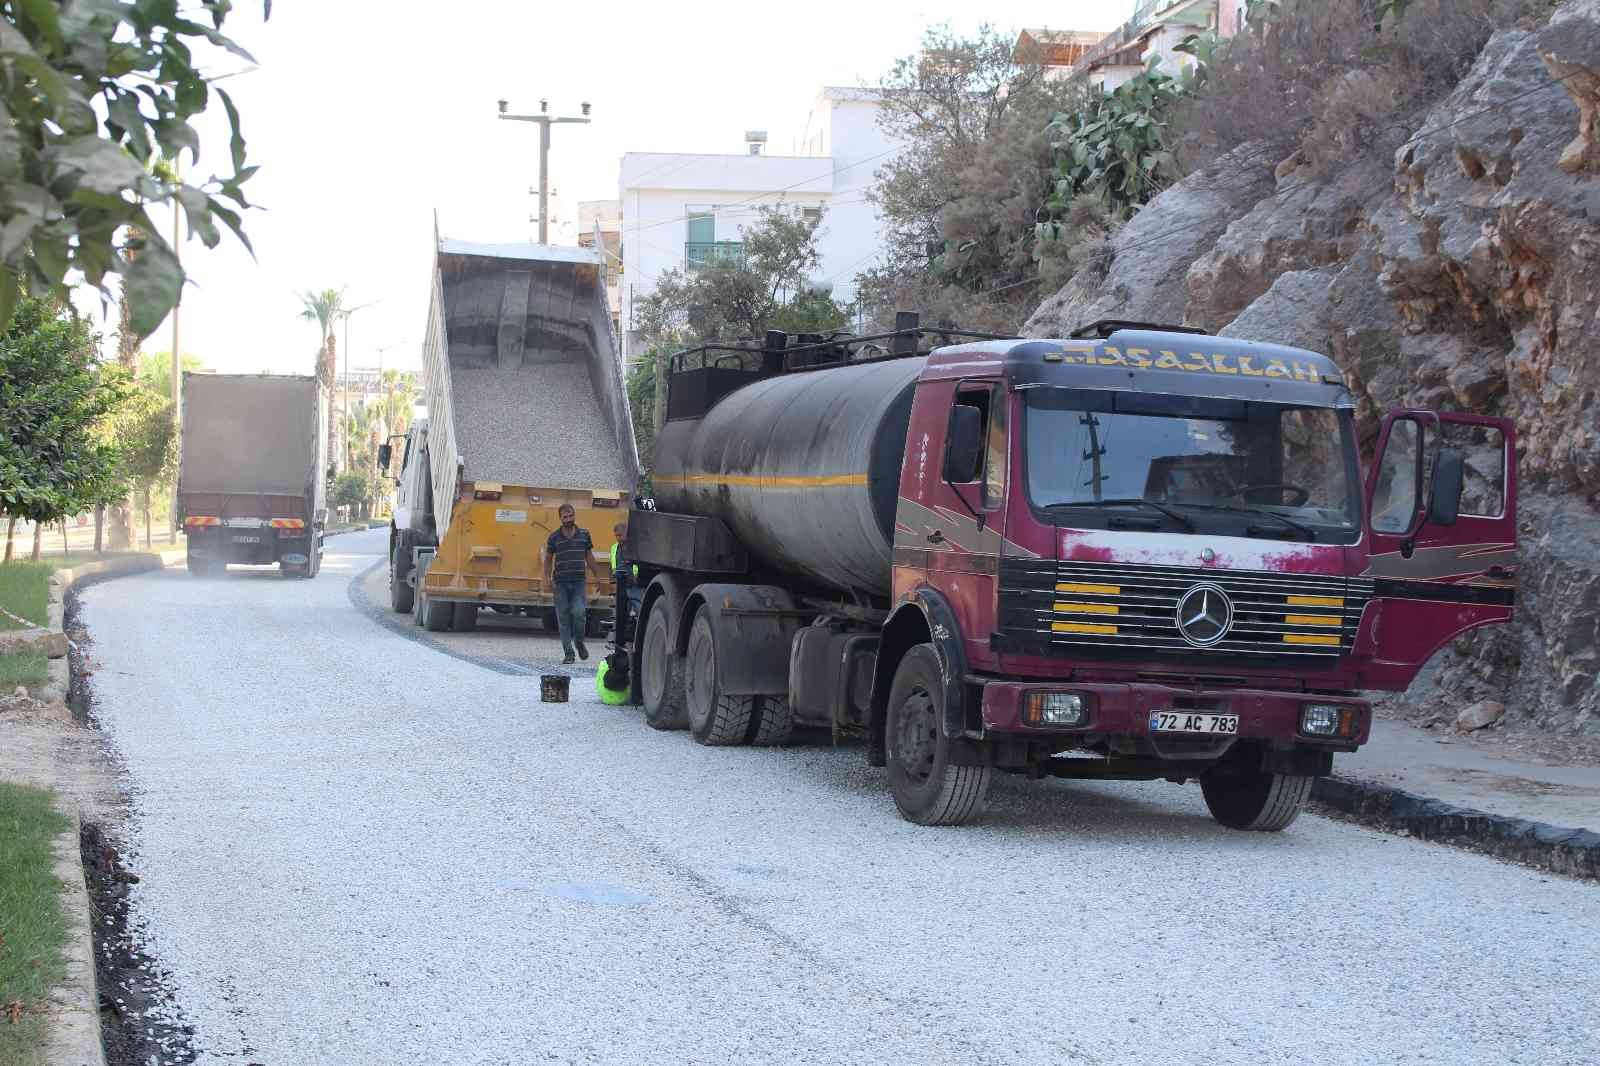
(681, 210)
(1152, 35)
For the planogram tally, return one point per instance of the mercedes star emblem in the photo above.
(1205, 614)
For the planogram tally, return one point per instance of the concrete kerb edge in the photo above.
(74, 1037)
(74, 1034)
(1572, 852)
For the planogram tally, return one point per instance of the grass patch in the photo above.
(25, 591)
(28, 668)
(32, 928)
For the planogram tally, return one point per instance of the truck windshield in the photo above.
(1235, 467)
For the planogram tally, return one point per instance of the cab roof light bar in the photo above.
(1105, 327)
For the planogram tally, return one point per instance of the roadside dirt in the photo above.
(1498, 739)
(136, 1009)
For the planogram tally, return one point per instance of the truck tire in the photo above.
(466, 617)
(715, 719)
(1254, 800)
(661, 677)
(774, 724)
(198, 567)
(928, 789)
(402, 594)
(439, 615)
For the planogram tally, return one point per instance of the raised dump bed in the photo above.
(527, 410)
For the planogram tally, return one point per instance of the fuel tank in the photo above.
(804, 468)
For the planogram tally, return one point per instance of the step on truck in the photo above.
(252, 471)
(526, 411)
(1138, 553)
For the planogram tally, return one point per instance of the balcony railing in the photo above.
(698, 254)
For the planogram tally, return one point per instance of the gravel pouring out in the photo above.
(352, 848)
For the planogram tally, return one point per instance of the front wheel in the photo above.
(928, 788)
(661, 676)
(402, 595)
(715, 719)
(1254, 799)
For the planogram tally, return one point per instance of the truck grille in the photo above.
(1109, 610)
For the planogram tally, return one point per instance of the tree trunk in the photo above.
(99, 528)
(329, 372)
(147, 541)
(38, 539)
(66, 549)
(121, 515)
(11, 534)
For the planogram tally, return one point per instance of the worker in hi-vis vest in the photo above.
(626, 576)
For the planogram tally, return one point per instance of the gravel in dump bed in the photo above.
(538, 425)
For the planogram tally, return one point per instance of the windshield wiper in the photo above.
(1288, 523)
(1132, 501)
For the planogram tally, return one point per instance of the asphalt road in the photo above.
(355, 847)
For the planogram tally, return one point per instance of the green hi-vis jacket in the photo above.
(616, 560)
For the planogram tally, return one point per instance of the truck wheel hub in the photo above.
(916, 736)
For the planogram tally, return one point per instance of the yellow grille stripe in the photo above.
(1312, 619)
(1089, 608)
(1083, 627)
(1090, 590)
(1315, 601)
(767, 482)
(1311, 638)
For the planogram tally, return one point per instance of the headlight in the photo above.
(1327, 720)
(1064, 710)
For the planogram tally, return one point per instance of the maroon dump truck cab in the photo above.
(1141, 553)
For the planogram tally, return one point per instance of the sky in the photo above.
(367, 117)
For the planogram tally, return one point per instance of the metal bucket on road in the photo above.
(553, 688)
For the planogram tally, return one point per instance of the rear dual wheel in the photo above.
(716, 718)
(661, 676)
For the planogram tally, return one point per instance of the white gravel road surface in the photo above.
(354, 848)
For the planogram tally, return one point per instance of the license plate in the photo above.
(1192, 722)
(247, 540)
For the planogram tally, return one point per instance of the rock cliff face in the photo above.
(1462, 274)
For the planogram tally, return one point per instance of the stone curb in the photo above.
(73, 1037)
(1573, 852)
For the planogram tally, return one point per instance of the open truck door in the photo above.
(1441, 514)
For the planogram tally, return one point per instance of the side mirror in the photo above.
(1444, 486)
(963, 447)
(384, 453)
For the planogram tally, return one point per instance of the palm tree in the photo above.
(324, 308)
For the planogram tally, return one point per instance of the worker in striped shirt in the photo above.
(566, 571)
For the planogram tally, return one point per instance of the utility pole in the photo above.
(177, 358)
(545, 121)
(343, 458)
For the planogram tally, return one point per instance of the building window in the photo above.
(702, 225)
(811, 215)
